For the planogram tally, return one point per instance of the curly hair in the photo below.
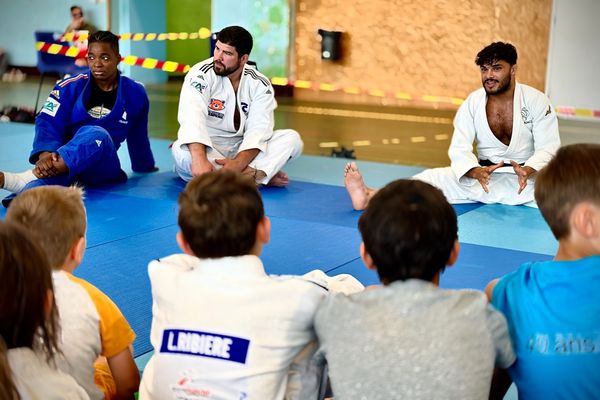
(495, 52)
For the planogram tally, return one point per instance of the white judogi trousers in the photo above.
(503, 187)
(284, 145)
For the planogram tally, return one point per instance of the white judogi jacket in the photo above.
(534, 139)
(223, 329)
(207, 105)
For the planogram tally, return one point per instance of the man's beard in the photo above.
(225, 71)
(502, 87)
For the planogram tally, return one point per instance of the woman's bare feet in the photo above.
(355, 185)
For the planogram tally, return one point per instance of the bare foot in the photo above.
(256, 174)
(280, 179)
(355, 185)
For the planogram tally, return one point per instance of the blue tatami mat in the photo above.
(323, 203)
(154, 185)
(311, 202)
(119, 269)
(330, 171)
(113, 216)
(509, 227)
(476, 266)
(297, 246)
(313, 226)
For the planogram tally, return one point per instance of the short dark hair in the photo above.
(105, 37)
(409, 230)
(237, 37)
(495, 52)
(219, 213)
(571, 177)
(75, 7)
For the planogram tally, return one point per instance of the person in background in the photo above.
(83, 123)
(513, 127)
(226, 117)
(78, 22)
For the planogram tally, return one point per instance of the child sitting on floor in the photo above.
(92, 325)
(28, 323)
(221, 327)
(410, 339)
(553, 307)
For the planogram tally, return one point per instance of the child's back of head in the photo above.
(570, 178)
(27, 314)
(409, 333)
(552, 306)
(55, 216)
(219, 213)
(409, 231)
(92, 324)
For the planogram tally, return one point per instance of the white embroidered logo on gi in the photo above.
(526, 116)
(123, 119)
(98, 142)
(50, 107)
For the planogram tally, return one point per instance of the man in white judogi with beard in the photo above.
(514, 128)
(226, 117)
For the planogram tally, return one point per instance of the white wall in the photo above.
(573, 78)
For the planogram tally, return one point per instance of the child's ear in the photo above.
(585, 219)
(183, 244)
(453, 254)
(78, 250)
(263, 230)
(366, 257)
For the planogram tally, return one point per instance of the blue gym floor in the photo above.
(313, 226)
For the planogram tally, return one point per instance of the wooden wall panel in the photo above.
(419, 47)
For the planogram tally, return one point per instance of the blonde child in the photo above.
(92, 324)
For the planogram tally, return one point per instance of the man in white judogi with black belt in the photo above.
(226, 117)
(514, 128)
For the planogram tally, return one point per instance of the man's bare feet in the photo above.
(355, 185)
(256, 174)
(280, 179)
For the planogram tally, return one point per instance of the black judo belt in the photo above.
(488, 163)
